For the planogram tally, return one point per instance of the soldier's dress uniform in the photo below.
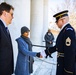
(65, 46)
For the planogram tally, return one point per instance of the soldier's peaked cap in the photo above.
(61, 14)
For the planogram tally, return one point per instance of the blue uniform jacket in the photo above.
(22, 65)
(65, 46)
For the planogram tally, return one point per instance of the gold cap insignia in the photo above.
(68, 41)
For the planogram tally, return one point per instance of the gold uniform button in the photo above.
(56, 48)
(58, 64)
(57, 56)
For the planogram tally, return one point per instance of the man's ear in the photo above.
(5, 13)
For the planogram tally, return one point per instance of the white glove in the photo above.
(43, 54)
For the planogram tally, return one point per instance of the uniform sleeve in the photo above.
(50, 50)
(69, 52)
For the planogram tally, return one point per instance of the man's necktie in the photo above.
(7, 30)
(8, 33)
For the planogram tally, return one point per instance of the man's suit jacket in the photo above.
(6, 52)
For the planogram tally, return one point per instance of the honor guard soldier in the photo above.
(65, 45)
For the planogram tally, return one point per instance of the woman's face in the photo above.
(26, 34)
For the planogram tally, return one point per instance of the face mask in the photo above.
(49, 34)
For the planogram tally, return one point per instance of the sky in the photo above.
(56, 6)
(52, 9)
(53, 4)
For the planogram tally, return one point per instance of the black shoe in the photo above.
(50, 56)
(46, 57)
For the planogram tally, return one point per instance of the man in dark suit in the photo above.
(65, 45)
(6, 50)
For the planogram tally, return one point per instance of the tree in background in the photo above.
(68, 5)
(71, 6)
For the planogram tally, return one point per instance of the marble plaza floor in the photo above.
(45, 66)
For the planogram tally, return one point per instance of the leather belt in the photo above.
(60, 54)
